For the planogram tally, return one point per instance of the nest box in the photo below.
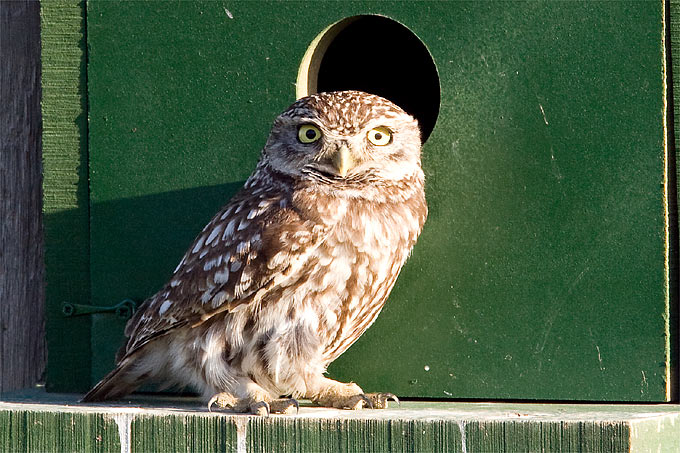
(544, 269)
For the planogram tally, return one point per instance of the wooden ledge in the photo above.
(39, 421)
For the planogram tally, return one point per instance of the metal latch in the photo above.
(123, 310)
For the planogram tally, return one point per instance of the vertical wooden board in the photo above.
(541, 270)
(426, 435)
(609, 436)
(182, 433)
(283, 434)
(52, 431)
(65, 191)
(22, 289)
(12, 436)
(557, 436)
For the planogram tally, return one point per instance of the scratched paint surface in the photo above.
(147, 423)
(540, 273)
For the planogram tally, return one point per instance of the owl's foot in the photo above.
(362, 401)
(350, 396)
(278, 406)
(255, 406)
(224, 400)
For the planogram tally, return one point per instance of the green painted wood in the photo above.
(182, 433)
(65, 191)
(51, 431)
(350, 435)
(585, 436)
(541, 272)
(35, 421)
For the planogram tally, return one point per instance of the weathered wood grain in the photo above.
(182, 432)
(56, 431)
(673, 98)
(22, 338)
(58, 423)
(65, 185)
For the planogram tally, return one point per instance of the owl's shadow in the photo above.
(149, 234)
(124, 248)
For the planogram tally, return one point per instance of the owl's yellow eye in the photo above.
(308, 133)
(380, 136)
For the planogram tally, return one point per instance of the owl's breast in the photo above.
(358, 265)
(336, 292)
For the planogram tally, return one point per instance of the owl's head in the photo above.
(345, 138)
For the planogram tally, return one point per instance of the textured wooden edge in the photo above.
(65, 191)
(672, 85)
(184, 425)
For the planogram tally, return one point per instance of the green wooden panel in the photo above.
(182, 433)
(542, 270)
(585, 436)
(65, 191)
(352, 435)
(50, 431)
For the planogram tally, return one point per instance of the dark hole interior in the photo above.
(380, 56)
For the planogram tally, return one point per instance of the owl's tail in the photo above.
(123, 380)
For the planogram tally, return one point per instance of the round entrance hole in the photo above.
(377, 55)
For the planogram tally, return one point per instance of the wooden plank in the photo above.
(182, 433)
(65, 187)
(517, 435)
(350, 435)
(22, 340)
(53, 431)
(183, 424)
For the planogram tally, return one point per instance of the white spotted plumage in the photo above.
(293, 269)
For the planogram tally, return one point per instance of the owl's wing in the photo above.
(251, 246)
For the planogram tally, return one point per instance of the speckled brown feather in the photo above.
(239, 253)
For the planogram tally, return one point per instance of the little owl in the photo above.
(293, 269)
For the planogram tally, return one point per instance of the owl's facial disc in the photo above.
(347, 138)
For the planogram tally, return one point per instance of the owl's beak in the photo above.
(343, 161)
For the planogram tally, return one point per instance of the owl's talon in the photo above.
(349, 396)
(393, 397)
(380, 400)
(284, 406)
(367, 400)
(222, 400)
(260, 408)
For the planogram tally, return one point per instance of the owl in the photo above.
(292, 270)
